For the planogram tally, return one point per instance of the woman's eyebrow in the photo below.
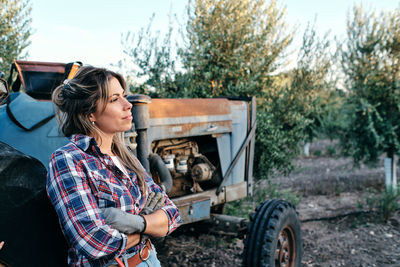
(116, 94)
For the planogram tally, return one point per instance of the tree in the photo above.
(312, 82)
(15, 30)
(233, 46)
(297, 105)
(371, 62)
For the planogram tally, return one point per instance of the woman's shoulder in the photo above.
(69, 150)
(77, 145)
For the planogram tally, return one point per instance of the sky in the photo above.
(90, 30)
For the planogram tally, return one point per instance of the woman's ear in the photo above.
(92, 118)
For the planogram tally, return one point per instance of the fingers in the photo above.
(1, 244)
(157, 201)
(149, 199)
(160, 202)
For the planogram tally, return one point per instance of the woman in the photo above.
(98, 188)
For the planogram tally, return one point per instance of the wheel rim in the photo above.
(285, 253)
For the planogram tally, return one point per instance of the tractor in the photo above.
(200, 151)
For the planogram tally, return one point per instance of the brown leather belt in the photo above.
(138, 258)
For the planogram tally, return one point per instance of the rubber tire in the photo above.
(266, 224)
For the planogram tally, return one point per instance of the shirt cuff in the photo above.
(174, 219)
(123, 244)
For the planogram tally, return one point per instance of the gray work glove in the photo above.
(154, 202)
(123, 221)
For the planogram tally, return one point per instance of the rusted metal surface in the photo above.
(228, 193)
(159, 132)
(285, 253)
(39, 66)
(235, 192)
(227, 225)
(236, 102)
(173, 108)
(207, 127)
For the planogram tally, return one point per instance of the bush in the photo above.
(244, 207)
(384, 203)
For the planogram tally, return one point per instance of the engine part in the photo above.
(177, 147)
(182, 166)
(201, 172)
(140, 114)
(129, 138)
(157, 164)
(169, 162)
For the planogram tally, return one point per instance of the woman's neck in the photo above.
(105, 144)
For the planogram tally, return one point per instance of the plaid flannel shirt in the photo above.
(80, 181)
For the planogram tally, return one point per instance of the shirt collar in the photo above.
(82, 141)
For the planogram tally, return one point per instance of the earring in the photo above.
(93, 123)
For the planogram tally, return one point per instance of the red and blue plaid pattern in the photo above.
(80, 181)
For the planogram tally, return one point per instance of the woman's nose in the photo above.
(127, 104)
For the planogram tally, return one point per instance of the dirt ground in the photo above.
(329, 187)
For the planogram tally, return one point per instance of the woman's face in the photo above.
(117, 115)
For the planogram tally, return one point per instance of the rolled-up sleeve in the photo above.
(80, 219)
(174, 218)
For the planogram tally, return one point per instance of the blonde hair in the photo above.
(79, 97)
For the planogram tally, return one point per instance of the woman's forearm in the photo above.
(132, 240)
(156, 223)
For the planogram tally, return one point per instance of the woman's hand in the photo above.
(129, 223)
(123, 221)
(153, 203)
(1, 244)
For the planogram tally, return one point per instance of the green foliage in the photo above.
(279, 132)
(15, 30)
(298, 105)
(371, 60)
(318, 153)
(154, 63)
(262, 192)
(330, 151)
(233, 46)
(385, 203)
(312, 83)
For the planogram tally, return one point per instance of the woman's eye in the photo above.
(113, 99)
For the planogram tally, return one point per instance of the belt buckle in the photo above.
(142, 250)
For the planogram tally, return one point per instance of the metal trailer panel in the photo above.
(197, 208)
(167, 128)
(178, 118)
(188, 107)
(229, 144)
